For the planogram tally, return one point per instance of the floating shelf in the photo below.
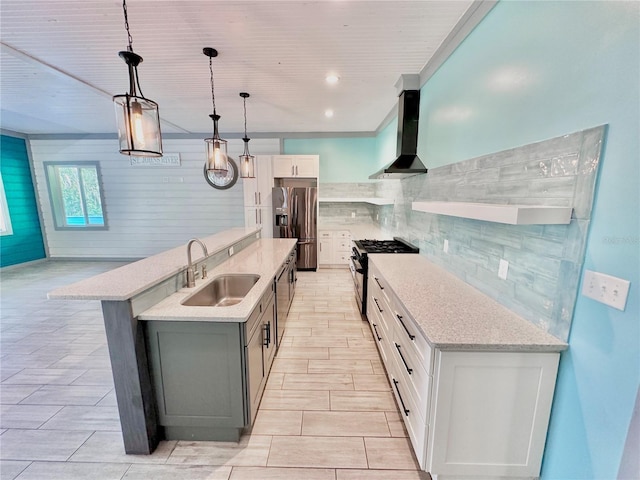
(511, 214)
(373, 201)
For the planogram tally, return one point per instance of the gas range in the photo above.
(397, 245)
(359, 263)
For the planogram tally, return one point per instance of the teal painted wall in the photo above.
(26, 242)
(532, 71)
(342, 160)
(386, 143)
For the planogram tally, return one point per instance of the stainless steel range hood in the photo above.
(408, 163)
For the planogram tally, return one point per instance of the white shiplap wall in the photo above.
(148, 209)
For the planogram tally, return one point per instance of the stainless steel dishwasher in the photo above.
(282, 299)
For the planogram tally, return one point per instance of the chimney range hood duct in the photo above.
(408, 163)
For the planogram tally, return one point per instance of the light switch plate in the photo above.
(230, 251)
(611, 291)
(445, 248)
(503, 269)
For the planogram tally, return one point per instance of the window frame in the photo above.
(4, 211)
(56, 200)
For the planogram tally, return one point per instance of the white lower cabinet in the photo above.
(334, 248)
(490, 413)
(469, 414)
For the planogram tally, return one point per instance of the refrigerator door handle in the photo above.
(306, 243)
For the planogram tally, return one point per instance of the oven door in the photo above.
(358, 273)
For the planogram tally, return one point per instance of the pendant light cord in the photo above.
(213, 97)
(245, 117)
(130, 49)
(126, 25)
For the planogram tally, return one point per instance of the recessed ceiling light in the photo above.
(328, 113)
(332, 79)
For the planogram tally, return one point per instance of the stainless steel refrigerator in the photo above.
(295, 215)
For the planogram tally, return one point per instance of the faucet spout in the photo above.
(191, 273)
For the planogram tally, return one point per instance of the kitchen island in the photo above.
(128, 291)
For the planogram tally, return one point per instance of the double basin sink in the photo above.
(223, 291)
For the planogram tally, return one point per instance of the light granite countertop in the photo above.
(454, 315)
(129, 280)
(264, 258)
(359, 231)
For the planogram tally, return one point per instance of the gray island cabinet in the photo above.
(151, 290)
(209, 377)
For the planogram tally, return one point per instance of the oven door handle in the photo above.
(357, 265)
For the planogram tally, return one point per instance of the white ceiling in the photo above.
(59, 63)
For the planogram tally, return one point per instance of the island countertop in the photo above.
(264, 258)
(454, 315)
(129, 280)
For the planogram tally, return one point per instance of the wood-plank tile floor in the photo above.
(327, 413)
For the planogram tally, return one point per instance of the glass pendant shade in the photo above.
(217, 159)
(247, 166)
(137, 117)
(138, 126)
(247, 162)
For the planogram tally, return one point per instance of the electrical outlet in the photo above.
(376, 216)
(353, 214)
(605, 289)
(503, 269)
(445, 247)
(230, 251)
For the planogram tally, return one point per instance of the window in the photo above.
(75, 194)
(5, 219)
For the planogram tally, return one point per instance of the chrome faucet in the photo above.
(191, 269)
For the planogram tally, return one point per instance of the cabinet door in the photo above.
(269, 335)
(250, 188)
(251, 217)
(197, 371)
(325, 255)
(283, 166)
(264, 174)
(264, 219)
(307, 166)
(490, 413)
(255, 372)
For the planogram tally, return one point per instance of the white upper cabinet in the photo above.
(257, 191)
(296, 166)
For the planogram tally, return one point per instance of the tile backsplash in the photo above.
(545, 261)
(348, 213)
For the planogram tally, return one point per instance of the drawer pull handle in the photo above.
(267, 334)
(376, 330)
(411, 337)
(406, 410)
(409, 370)
(376, 279)
(377, 304)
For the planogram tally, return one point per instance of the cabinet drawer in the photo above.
(413, 419)
(342, 245)
(343, 234)
(412, 338)
(325, 234)
(409, 368)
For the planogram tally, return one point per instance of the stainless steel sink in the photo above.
(223, 291)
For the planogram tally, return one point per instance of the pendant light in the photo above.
(137, 117)
(217, 160)
(247, 161)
